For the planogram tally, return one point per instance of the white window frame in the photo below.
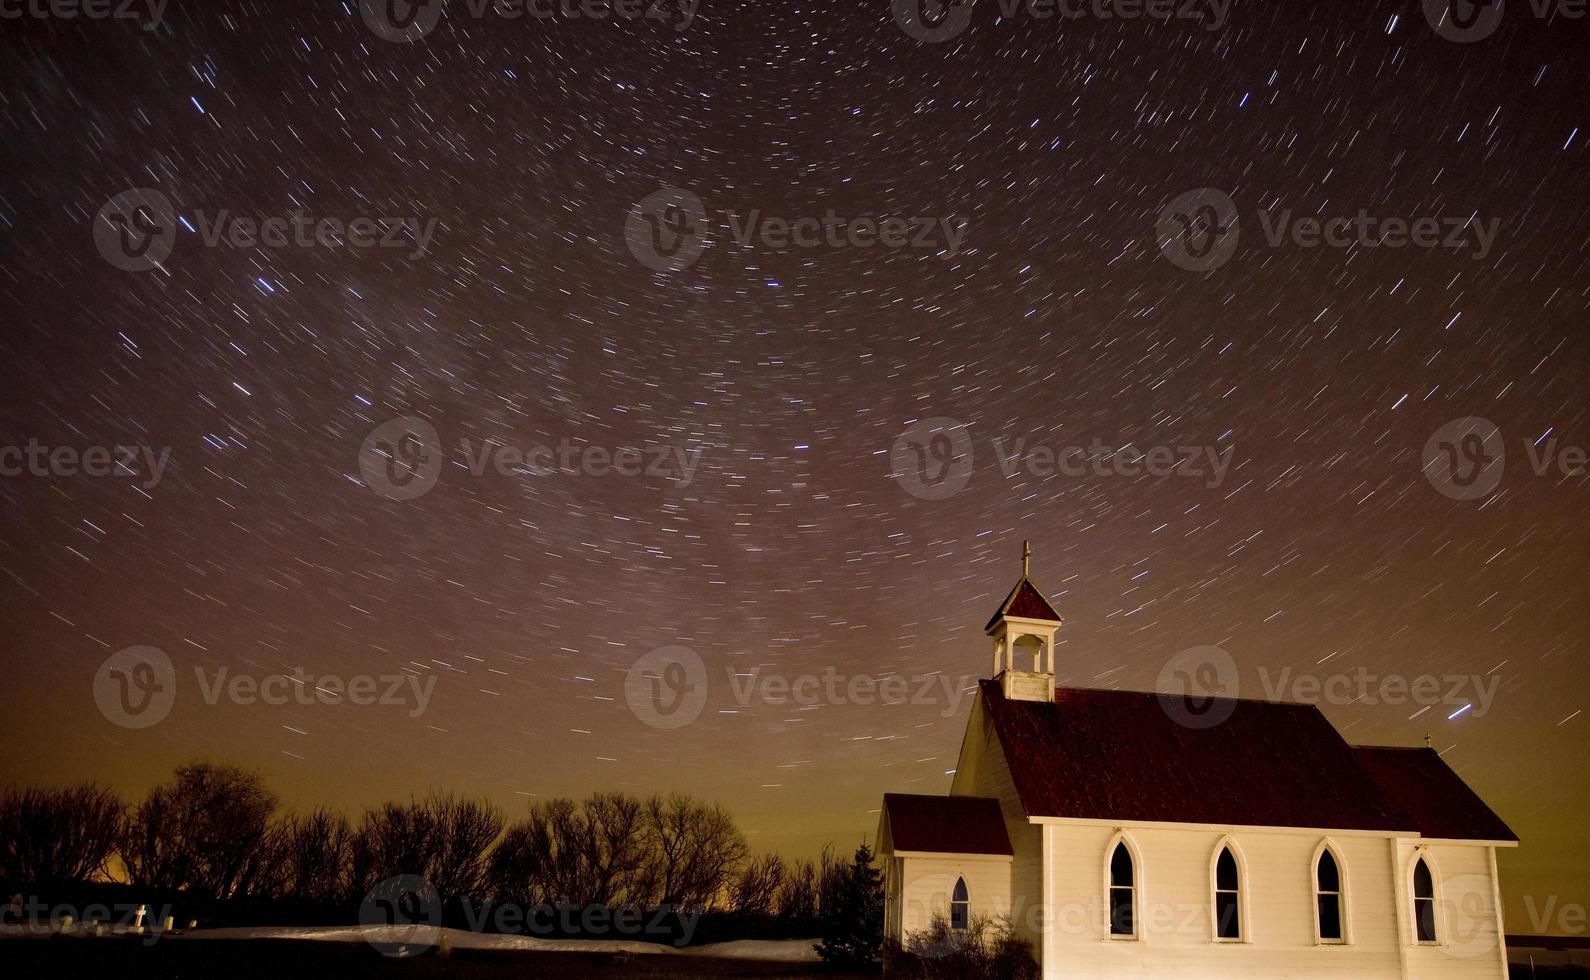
(960, 884)
(1437, 920)
(1327, 846)
(1244, 923)
(1123, 838)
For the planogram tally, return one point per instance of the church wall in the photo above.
(926, 884)
(1467, 928)
(982, 771)
(1175, 908)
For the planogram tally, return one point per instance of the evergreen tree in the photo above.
(852, 913)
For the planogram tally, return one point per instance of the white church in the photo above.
(1123, 842)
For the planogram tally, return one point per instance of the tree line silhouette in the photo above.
(217, 833)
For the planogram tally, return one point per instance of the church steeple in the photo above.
(1024, 626)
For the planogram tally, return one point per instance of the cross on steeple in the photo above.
(1026, 557)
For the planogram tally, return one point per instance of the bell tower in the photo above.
(1023, 632)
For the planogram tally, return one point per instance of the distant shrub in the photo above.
(986, 950)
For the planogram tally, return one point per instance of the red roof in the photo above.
(1119, 755)
(946, 824)
(1024, 602)
(1426, 788)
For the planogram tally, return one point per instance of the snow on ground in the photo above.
(780, 950)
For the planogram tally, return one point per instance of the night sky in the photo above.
(796, 545)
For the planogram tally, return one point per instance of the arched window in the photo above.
(1328, 896)
(1423, 902)
(960, 906)
(1228, 897)
(1123, 892)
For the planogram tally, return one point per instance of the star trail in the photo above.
(768, 332)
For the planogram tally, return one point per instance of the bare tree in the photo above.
(204, 830)
(443, 838)
(465, 832)
(695, 848)
(316, 854)
(588, 854)
(62, 835)
(755, 891)
(797, 894)
(615, 847)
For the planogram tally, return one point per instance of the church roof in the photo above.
(1437, 798)
(1118, 755)
(947, 824)
(1025, 602)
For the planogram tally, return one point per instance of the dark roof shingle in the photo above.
(1118, 755)
(1441, 804)
(946, 824)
